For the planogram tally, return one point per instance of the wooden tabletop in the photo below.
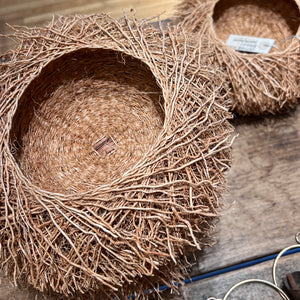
(263, 210)
(39, 12)
(262, 206)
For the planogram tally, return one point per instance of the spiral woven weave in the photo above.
(261, 83)
(75, 220)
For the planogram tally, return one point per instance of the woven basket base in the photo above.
(80, 99)
(277, 20)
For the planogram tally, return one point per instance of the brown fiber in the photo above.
(76, 220)
(261, 83)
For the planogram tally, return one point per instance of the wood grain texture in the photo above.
(264, 192)
(219, 285)
(39, 12)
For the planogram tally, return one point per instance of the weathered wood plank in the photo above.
(264, 190)
(219, 285)
(39, 12)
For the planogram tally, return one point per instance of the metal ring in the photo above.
(298, 237)
(270, 284)
(281, 253)
(275, 287)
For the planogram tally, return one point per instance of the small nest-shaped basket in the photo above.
(75, 220)
(261, 83)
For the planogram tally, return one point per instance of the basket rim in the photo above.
(179, 184)
(101, 186)
(246, 55)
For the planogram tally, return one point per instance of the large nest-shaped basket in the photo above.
(114, 139)
(261, 83)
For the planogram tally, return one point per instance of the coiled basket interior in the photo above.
(278, 20)
(77, 100)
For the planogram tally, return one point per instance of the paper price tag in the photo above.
(250, 44)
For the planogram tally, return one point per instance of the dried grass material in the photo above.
(66, 227)
(114, 97)
(261, 83)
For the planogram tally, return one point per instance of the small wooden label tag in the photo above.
(106, 145)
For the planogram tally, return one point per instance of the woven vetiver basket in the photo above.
(114, 140)
(261, 83)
